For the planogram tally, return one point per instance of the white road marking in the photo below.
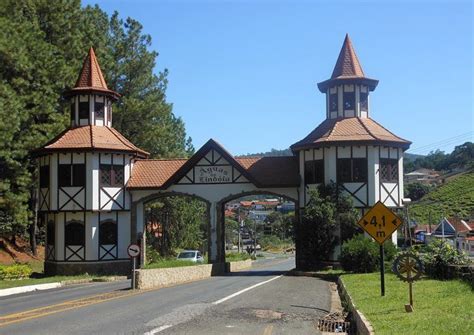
(157, 330)
(244, 290)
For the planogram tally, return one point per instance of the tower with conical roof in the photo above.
(83, 200)
(349, 148)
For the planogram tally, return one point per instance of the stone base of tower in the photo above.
(118, 267)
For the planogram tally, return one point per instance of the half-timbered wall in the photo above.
(366, 193)
(91, 249)
(99, 111)
(92, 195)
(341, 111)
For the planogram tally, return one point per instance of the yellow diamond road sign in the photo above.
(380, 222)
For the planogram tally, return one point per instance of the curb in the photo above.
(28, 288)
(47, 286)
(363, 325)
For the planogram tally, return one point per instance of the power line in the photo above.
(443, 143)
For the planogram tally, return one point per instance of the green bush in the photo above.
(16, 271)
(362, 255)
(438, 256)
(235, 256)
(152, 256)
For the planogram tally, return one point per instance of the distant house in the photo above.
(424, 176)
(457, 232)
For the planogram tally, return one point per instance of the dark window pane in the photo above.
(118, 175)
(74, 233)
(79, 175)
(105, 175)
(364, 102)
(50, 233)
(319, 171)
(309, 172)
(73, 111)
(394, 170)
(44, 176)
(349, 100)
(84, 110)
(359, 170)
(388, 170)
(344, 170)
(109, 112)
(333, 102)
(99, 110)
(108, 233)
(64, 175)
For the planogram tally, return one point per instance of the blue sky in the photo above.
(245, 72)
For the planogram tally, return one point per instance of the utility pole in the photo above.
(238, 229)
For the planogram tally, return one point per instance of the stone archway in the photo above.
(138, 215)
(221, 217)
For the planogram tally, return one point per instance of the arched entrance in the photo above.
(255, 235)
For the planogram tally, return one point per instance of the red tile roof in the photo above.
(153, 173)
(90, 138)
(347, 69)
(348, 131)
(272, 171)
(91, 78)
(266, 171)
(459, 225)
(347, 64)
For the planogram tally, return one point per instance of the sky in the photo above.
(245, 72)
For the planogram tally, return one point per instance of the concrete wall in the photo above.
(154, 278)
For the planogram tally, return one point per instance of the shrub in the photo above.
(232, 257)
(361, 254)
(439, 256)
(16, 271)
(152, 256)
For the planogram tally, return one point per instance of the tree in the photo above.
(42, 46)
(415, 191)
(328, 218)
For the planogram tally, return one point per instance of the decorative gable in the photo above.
(213, 168)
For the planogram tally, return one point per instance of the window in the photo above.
(72, 175)
(44, 176)
(108, 232)
(364, 102)
(314, 172)
(349, 100)
(333, 102)
(73, 111)
(351, 170)
(99, 110)
(50, 233)
(389, 170)
(111, 175)
(84, 110)
(74, 233)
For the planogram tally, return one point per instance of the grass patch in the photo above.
(36, 281)
(169, 263)
(440, 307)
(235, 256)
(455, 197)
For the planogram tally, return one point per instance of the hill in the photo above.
(454, 198)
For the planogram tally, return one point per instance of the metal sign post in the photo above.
(133, 251)
(380, 223)
(409, 268)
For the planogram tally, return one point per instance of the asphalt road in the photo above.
(279, 305)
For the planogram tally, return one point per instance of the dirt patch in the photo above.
(18, 252)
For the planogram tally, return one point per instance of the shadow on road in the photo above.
(256, 273)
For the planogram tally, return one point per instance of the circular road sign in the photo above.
(133, 250)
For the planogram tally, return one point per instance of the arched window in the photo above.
(108, 232)
(74, 233)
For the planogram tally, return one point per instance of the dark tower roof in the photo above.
(91, 78)
(347, 69)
